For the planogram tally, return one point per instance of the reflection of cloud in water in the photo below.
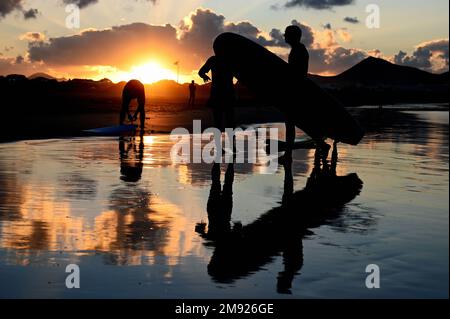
(76, 186)
(10, 196)
(426, 137)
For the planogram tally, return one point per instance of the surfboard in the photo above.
(112, 130)
(271, 79)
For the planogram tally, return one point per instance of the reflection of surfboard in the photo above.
(113, 130)
(302, 143)
(313, 110)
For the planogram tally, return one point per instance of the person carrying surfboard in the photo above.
(134, 89)
(299, 62)
(222, 95)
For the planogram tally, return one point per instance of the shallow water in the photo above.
(129, 217)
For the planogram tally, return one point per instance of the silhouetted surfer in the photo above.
(299, 61)
(222, 96)
(133, 90)
(192, 89)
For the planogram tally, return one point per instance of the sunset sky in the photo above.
(124, 39)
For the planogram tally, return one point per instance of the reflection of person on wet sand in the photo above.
(244, 250)
(192, 90)
(131, 157)
(220, 203)
(298, 61)
(222, 96)
(133, 90)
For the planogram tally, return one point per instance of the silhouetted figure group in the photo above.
(222, 95)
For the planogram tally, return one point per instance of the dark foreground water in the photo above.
(138, 225)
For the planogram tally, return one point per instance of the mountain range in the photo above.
(371, 71)
(378, 72)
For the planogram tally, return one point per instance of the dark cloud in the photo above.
(376, 53)
(30, 14)
(8, 6)
(138, 42)
(325, 55)
(81, 3)
(428, 56)
(340, 59)
(19, 65)
(124, 46)
(317, 4)
(204, 25)
(353, 20)
(200, 30)
(85, 3)
(277, 38)
(19, 59)
(118, 46)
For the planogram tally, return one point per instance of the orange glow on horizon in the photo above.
(151, 72)
(148, 73)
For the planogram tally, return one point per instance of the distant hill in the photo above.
(41, 75)
(374, 71)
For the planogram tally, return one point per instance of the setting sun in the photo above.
(151, 72)
(147, 73)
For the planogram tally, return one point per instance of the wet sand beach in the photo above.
(140, 226)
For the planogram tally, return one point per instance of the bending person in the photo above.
(133, 90)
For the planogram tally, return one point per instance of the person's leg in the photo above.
(218, 118)
(293, 262)
(334, 158)
(290, 135)
(141, 108)
(142, 119)
(288, 188)
(124, 110)
(230, 124)
(290, 140)
(323, 147)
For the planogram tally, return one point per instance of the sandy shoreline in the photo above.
(161, 119)
(72, 125)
